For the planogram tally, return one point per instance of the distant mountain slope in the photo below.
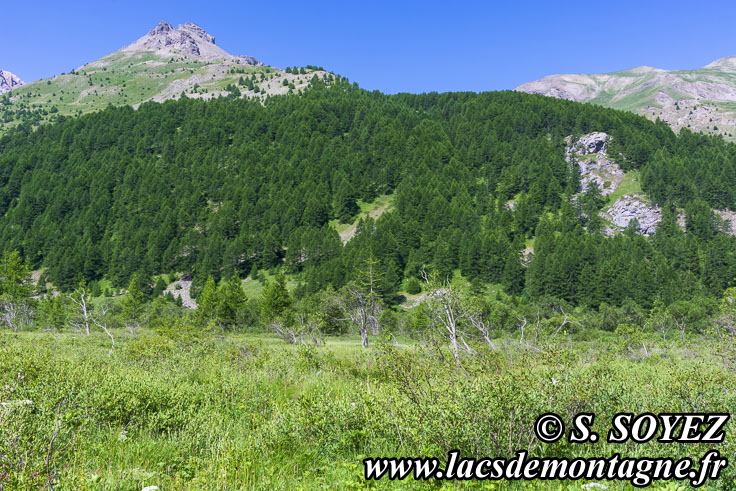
(166, 63)
(702, 100)
(9, 81)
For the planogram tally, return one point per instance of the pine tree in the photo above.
(159, 288)
(346, 205)
(207, 302)
(95, 290)
(513, 274)
(132, 302)
(231, 299)
(53, 312)
(413, 287)
(15, 278)
(276, 299)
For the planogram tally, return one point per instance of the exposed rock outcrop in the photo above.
(9, 81)
(637, 206)
(588, 144)
(196, 31)
(249, 60)
(181, 288)
(634, 207)
(589, 152)
(729, 220)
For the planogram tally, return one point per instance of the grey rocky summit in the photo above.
(165, 36)
(9, 81)
(162, 29)
(189, 40)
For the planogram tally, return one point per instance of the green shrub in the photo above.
(148, 347)
(413, 287)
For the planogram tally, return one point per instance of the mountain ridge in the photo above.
(702, 99)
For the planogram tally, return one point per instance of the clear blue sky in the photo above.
(393, 46)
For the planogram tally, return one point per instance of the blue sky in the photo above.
(389, 46)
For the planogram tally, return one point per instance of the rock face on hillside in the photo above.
(196, 31)
(729, 220)
(588, 144)
(181, 288)
(589, 153)
(700, 99)
(634, 207)
(188, 40)
(249, 60)
(9, 81)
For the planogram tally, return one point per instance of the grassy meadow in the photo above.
(211, 410)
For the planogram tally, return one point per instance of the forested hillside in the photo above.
(231, 185)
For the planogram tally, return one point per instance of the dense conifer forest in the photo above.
(228, 186)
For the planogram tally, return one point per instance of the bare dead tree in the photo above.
(446, 308)
(681, 316)
(363, 309)
(311, 330)
(81, 298)
(372, 300)
(522, 325)
(103, 326)
(304, 327)
(483, 326)
(283, 331)
(543, 326)
(465, 347)
(681, 324)
(566, 320)
(659, 320)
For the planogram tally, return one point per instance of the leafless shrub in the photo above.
(17, 315)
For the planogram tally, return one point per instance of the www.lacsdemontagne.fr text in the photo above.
(639, 472)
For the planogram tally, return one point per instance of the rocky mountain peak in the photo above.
(197, 32)
(187, 39)
(162, 28)
(9, 81)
